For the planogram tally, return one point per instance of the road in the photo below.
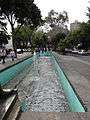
(85, 58)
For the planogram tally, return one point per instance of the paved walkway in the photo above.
(54, 116)
(8, 61)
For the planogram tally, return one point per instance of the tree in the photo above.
(70, 41)
(23, 36)
(73, 38)
(55, 35)
(3, 38)
(79, 37)
(62, 45)
(20, 12)
(56, 19)
(57, 38)
(39, 39)
(88, 14)
(85, 35)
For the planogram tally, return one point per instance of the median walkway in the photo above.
(78, 73)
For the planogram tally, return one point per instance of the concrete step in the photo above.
(7, 105)
(14, 114)
(30, 115)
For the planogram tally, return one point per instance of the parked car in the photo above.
(75, 51)
(82, 52)
(68, 50)
(19, 51)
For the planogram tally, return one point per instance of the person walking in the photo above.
(12, 54)
(3, 55)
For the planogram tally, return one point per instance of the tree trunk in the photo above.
(14, 41)
(14, 45)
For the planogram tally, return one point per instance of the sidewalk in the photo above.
(8, 61)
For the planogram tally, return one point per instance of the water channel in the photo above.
(40, 89)
(43, 87)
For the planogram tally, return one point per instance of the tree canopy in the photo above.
(56, 19)
(80, 36)
(39, 39)
(4, 38)
(23, 36)
(57, 39)
(19, 12)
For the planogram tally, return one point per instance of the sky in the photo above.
(76, 9)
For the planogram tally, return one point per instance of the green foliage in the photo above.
(62, 45)
(57, 38)
(23, 36)
(85, 35)
(59, 30)
(80, 36)
(23, 12)
(39, 39)
(73, 38)
(55, 18)
(4, 38)
(3, 25)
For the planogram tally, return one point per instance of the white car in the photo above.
(75, 51)
(82, 52)
(18, 50)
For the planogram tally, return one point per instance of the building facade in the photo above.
(75, 26)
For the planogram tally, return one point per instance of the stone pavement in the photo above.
(54, 116)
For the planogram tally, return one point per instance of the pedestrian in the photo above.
(3, 55)
(0, 54)
(12, 53)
